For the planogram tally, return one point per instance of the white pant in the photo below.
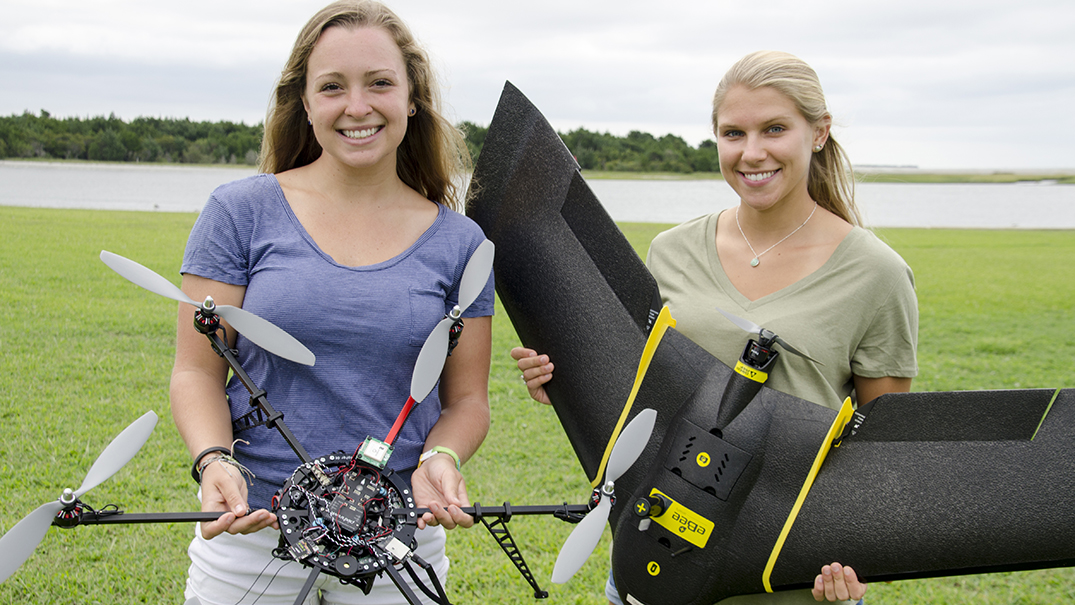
(237, 570)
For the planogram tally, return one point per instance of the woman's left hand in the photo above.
(439, 486)
(838, 583)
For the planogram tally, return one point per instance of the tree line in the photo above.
(636, 152)
(140, 140)
(173, 140)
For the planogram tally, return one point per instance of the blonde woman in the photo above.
(793, 257)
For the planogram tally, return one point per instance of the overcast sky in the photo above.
(934, 83)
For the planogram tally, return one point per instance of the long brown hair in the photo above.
(831, 182)
(431, 159)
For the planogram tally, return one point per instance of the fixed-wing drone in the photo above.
(342, 514)
(748, 492)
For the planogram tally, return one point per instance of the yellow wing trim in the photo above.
(837, 426)
(660, 326)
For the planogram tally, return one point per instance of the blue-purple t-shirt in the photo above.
(365, 325)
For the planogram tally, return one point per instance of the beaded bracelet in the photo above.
(230, 461)
(195, 472)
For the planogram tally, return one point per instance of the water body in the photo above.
(170, 188)
(958, 205)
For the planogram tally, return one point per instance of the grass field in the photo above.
(84, 353)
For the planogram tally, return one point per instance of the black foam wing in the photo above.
(929, 484)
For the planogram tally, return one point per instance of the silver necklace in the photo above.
(757, 257)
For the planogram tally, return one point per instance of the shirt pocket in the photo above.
(427, 309)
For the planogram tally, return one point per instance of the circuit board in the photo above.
(345, 517)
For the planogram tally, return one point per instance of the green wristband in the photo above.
(440, 449)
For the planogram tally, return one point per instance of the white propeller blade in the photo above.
(580, 544)
(19, 543)
(144, 277)
(430, 362)
(266, 334)
(476, 274)
(261, 332)
(630, 444)
(119, 452)
(584, 538)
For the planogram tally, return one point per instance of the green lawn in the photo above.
(85, 353)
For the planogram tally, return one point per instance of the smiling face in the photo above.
(358, 97)
(765, 146)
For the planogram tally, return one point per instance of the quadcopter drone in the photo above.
(343, 514)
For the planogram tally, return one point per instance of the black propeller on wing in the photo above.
(261, 332)
(20, 541)
(584, 538)
(765, 335)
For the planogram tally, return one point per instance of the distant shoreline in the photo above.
(865, 174)
(874, 175)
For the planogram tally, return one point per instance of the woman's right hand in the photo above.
(536, 369)
(224, 489)
(838, 583)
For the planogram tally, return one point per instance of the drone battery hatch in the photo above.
(375, 452)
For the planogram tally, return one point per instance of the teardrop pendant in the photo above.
(757, 257)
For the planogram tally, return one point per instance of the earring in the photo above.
(309, 122)
(818, 148)
(411, 113)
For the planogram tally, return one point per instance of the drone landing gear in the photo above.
(499, 529)
(366, 584)
(440, 598)
(305, 591)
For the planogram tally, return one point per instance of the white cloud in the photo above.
(938, 84)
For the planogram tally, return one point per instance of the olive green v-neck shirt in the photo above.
(857, 314)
